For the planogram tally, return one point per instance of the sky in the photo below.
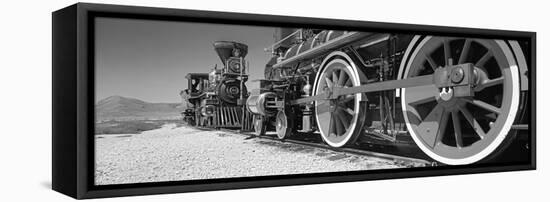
(148, 59)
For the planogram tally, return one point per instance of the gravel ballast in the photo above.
(182, 153)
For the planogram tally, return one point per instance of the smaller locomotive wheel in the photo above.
(259, 125)
(340, 120)
(283, 125)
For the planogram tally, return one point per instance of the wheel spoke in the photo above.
(442, 128)
(457, 129)
(447, 52)
(332, 127)
(489, 83)
(335, 77)
(343, 78)
(464, 52)
(485, 105)
(473, 122)
(343, 118)
(349, 82)
(339, 127)
(431, 62)
(328, 82)
(484, 59)
(429, 128)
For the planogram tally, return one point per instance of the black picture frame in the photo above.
(73, 100)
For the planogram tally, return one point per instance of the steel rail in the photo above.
(356, 151)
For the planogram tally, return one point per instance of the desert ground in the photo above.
(176, 152)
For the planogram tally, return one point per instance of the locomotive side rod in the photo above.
(372, 87)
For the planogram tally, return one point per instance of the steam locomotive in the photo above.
(462, 100)
(216, 99)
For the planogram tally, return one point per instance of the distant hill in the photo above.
(123, 108)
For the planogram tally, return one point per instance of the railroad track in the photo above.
(358, 150)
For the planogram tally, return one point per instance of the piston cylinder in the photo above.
(262, 104)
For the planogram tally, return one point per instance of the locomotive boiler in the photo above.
(216, 99)
(461, 100)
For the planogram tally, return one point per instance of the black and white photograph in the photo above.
(183, 101)
(275, 101)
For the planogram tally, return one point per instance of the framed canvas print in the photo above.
(155, 100)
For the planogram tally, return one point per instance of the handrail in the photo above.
(334, 43)
(272, 47)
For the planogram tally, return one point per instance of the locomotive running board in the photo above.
(372, 87)
(330, 45)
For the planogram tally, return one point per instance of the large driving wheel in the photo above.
(462, 130)
(340, 121)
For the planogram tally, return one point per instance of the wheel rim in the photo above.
(259, 126)
(462, 130)
(339, 120)
(281, 125)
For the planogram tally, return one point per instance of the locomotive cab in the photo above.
(197, 83)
